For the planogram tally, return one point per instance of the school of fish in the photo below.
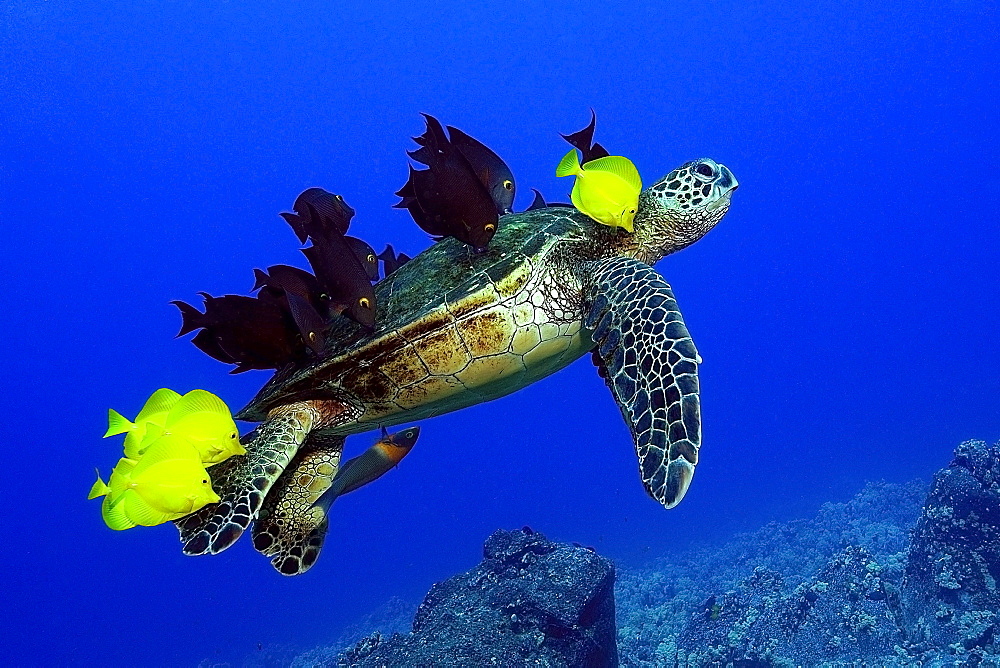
(168, 447)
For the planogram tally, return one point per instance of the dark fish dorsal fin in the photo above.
(538, 202)
(583, 141)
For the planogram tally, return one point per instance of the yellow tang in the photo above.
(153, 413)
(204, 420)
(167, 483)
(606, 189)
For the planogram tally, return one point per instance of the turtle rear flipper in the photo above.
(290, 528)
(242, 482)
(650, 363)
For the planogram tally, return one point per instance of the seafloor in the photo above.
(901, 575)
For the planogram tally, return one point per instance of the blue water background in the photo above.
(846, 308)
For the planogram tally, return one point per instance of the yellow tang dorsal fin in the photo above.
(619, 166)
(569, 165)
(114, 515)
(166, 448)
(160, 401)
(196, 401)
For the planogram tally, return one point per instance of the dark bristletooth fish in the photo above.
(252, 333)
(390, 261)
(540, 203)
(583, 141)
(370, 465)
(302, 294)
(492, 171)
(334, 214)
(366, 256)
(341, 276)
(448, 198)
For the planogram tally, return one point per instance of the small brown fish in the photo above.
(334, 214)
(448, 198)
(341, 276)
(366, 256)
(492, 171)
(370, 465)
(390, 261)
(583, 141)
(251, 333)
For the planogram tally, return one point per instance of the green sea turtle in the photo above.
(456, 329)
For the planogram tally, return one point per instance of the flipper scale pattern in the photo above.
(650, 364)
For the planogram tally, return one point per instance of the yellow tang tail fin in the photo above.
(569, 165)
(117, 423)
(99, 488)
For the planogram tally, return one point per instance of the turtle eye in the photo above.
(508, 184)
(705, 170)
(364, 302)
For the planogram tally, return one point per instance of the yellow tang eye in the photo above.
(631, 210)
(204, 482)
(232, 435)
(364, 302)
(508, 184)
(371, 258)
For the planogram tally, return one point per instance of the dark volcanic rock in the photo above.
(530, 602)
(843, 611)
(950, 590)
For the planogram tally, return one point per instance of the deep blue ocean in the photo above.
(846, 307)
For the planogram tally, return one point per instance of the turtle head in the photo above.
(681, 208)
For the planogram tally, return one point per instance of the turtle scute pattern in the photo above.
(244, 481)
(289, 528)
(650, 363)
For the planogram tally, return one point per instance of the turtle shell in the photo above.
(453, 329)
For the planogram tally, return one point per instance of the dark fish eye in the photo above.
(312, 336)
(705, 170)
(364, 302)
(508, 184)
(489, 227)
(371, 258)
(323, 295)
(339, 197)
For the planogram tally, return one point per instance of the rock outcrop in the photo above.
(529, 602)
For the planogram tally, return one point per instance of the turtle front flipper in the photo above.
(244, 481)
(648, 360)
(289, 527)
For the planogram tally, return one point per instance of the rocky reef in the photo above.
(529, 602)
(898, 576)
(850, 587)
